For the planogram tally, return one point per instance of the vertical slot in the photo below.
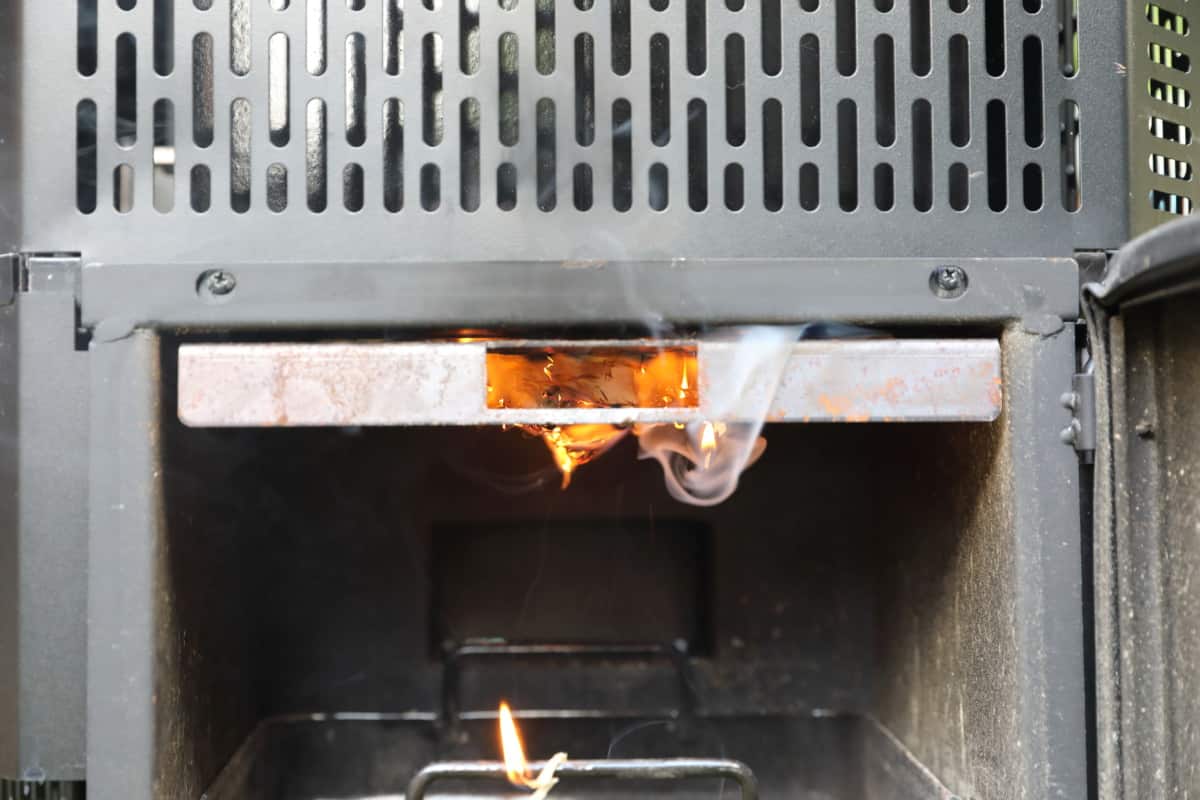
(658, 185)
(697, 155)
(510, 109)
(847, 48)
(585, 90)
(544, 50)
(431, 187)
(1072, 180)
(469, 159)
(922, 126)
(164, 156)
(352, 188)
(847, 119)
(1068, 37)
(919, 32)
(810, 89)
(735, 5)
(581, 180)
(239, 37)
(660, 90)
(393, 155)
(960, 91)
(1032, 6)
(622, 47)
(997, 156)
(278, 5)
(468, 36)
(202, 5)
(813, 5)
(772, 155)
(277, 188)
(884, 6)
(356, 90)
(123, 188)
(959, 187)
(1031, 187)
(547, 168)
(86, 43)
(126, 131)
(585, 5)
(993, 36)
(431, 89)
(164, 37)
(885, 91)
(772, 37)
(393, 33)
(240, 132)
(958, 6)
(1031, 50)
(505, 5)
(201, 188)
(735, 89)
(506, 186)
(660, 5)
(356, 5)
(278, 90)
(127, 5)
(622, 137)
(735, 187)
(885, 187)
(314, 156)
(85, 156)
(810, 187)
(202, 89)
(314, 37)
(697, 36)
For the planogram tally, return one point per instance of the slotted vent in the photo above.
(1164, 121)
(719, 115)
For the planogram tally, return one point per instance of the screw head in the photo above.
(216, 284)
(948, 282)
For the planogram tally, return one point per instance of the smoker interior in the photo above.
(846, 612)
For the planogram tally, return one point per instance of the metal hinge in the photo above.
(1080, 433)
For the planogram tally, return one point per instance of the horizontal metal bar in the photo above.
(657, 769)
(290, 385)
(294, 295)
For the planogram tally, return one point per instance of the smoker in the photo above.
(268, 532)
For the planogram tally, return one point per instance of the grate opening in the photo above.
(85, 156)
(997, 156)
(1072, 189)
(922, 156)
(1031, 187)
(960, 91)
(958, 6)
(164, 156)
(393, 34)
(314, 37)
(544, 53)
(885, 187)
(202, 90)
(659, 187)
(126, 119)
(393, 155)
(697, 155)
(810, 187)
(315, 156)
(239, 37)
(1170, 202)
(993, 37)
(622, 137)
(581, 182)
(697, 36)
(735, 90)
(660, 90)
(773, 155)
(506, 187)
(164, 37)
(123, 188)
(772, 37)
(920, 37)
(547, 167)
(847, 117)
(1168, 93)
(240, 130)
(1031, 57)
(510, 94)
(585, 90)
(278, 90)
(469, 156)
(885, 92)
(87, 42)
(1169, 130)
(352, 186)
(356, 90)
(1167, 20)
(201, 188)
(959, 187)
(1068, 37)
(277, 188)
(431, 89)
(621, 42)
(844, 28)
(735, 189)
(810, 90)
(431, 186)
(1168, 167)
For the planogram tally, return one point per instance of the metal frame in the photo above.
(654, 769)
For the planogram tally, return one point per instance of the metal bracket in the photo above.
(45, 274)
(1080, 433)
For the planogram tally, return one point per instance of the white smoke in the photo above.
(738, 386)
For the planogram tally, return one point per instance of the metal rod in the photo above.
(655, 769)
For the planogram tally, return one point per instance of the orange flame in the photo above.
(708, 440)
(515, 765)
(592, 378)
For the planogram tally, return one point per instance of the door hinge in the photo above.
(1080, 433)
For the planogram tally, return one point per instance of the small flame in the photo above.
(683, 383)
(573, 445)
(515, 765)
(708, 440)
(546, 369)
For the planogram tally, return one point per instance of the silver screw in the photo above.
(216, 283)
(948, 281)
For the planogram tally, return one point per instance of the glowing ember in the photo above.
(515, 765)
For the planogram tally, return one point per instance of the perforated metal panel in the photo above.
(570, 129)
(1162, 117)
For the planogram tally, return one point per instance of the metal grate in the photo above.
(1162, 117)
(558, 129)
